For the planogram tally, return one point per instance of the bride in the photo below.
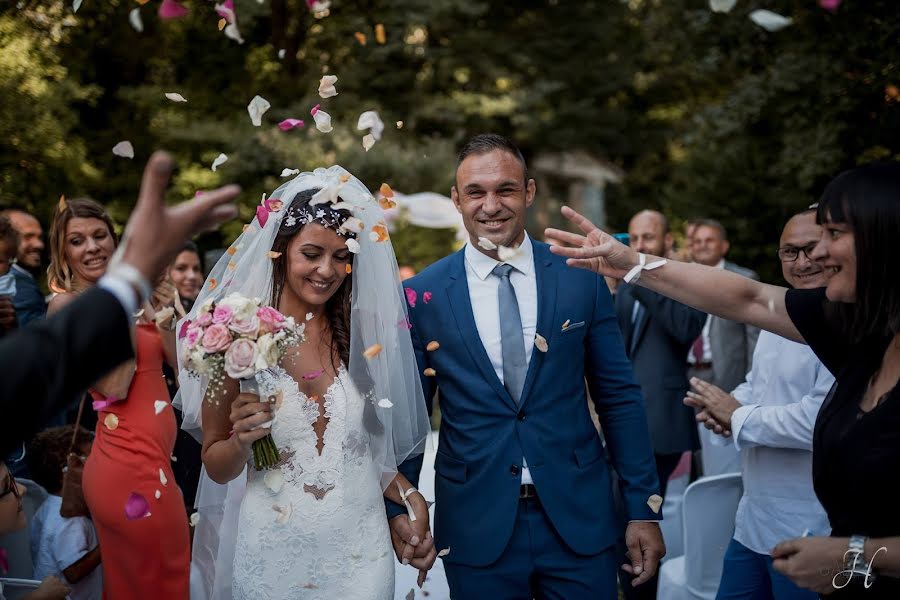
(342, 414)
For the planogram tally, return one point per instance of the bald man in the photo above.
(29, 300)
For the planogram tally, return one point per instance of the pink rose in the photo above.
(204, 320)
(192, 336)
(270, 319)
(216, 338)
(240, 359)
(222, 314)
(248, 326)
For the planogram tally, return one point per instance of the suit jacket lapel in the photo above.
(546, 278)
(461, 306)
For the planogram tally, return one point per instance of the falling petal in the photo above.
(322, 119)
(565, 325)
(289, 124)
(368, 141)
(353, 224)
(212, 283)
(136, 507)
(372, 351)
(426, 297)
(830, 5)
(220, 160)
(348, 268)
(386, 203)
(352, 245)
(429, 372)
(170, 9)
(272, 204)
(222, 24)
(309, 316)
(157, 494)
(232, 265)
(195, 518)
(134, 17)
(432, 346)
(769, 20)
(360, 37)
(288, 172)
(371, 121)
(111, 421)
(444, 552)
(281, 54)
(232, 250)
(385, 403)
(257, 108)
(505, 254)
(61, 206)
(274, 480)
(175, 97)
(487, 244)
(159, 406)
(379, 233)
(655, 502)
(326, 86)
(380, 35)
(232, 33)
(162, 477)
(386, 191)
(721, 6)
(226, 10)
(312, 375)
(411, 296)
(76, 4)
(404, 323)
(399, 124)
(273, 255)
(124, 149)
(540, 343)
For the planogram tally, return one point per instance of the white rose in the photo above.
(243, 308)
(196, 359)
(268, 352)
(205, 307)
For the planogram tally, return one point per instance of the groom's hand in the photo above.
(645, 549)
(412, 541)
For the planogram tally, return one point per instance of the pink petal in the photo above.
(411, 297)
(289, 124)
(101, 404)
(136, 507)
(273, 204)
(404, 323)
(4, 561)
(309, 4)
(313, 375)
(426, 297)
(226, 10)
(314, 109)
(262, 215)
(171, 9)
(184, 327)
(830, 5)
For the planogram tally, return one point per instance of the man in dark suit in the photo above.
(723, 353)
(522, 488)
(29, 300)
(44, 367)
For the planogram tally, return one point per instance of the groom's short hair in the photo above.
(484, 143)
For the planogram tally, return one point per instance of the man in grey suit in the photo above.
(722, 354)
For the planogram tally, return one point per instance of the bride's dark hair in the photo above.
(337, 308)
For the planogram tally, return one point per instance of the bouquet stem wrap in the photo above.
(265, 452)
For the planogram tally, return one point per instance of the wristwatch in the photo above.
(855, 557)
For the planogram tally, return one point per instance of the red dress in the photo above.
(147, 557)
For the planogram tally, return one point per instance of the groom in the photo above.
(522, 485)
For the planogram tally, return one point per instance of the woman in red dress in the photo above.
(128, 483)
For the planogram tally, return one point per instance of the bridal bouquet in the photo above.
(238, 337)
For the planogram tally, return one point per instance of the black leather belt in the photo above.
(527, 490)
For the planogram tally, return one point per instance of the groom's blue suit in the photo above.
(484, 433)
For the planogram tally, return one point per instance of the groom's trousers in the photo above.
(536, 564)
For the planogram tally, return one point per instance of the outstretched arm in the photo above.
(711, 290)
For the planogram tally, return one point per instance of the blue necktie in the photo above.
(511, 340)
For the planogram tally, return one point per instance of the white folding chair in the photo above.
(18, 543)
(708, 510)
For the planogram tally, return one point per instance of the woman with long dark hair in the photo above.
(853, 326)
(342, 414)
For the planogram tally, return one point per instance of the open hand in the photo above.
(595, 250)
(247, 414)
(645, 549)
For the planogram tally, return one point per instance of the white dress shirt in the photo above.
(483, 294)
(773, 431)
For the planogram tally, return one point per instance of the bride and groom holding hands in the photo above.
(509, 345)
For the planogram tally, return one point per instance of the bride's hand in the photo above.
(247, 414)
(412, 540)
(595, 250)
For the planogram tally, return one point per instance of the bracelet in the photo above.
(405, 497)
(134, 278)
(635, 273)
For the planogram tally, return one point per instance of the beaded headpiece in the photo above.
(323, 215)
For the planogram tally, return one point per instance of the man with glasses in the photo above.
(770, 418)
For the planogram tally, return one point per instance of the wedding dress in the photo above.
(315, 526)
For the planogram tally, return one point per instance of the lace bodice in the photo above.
(315, 526)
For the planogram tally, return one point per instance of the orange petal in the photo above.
(429, 372)
(386, 191)
(111, 421)
(62, 203)
(361, 38)
(232, 250)
(232, 265)
(213, 283)
(348, 268)
(222, 24)
(655, 502)
(344, 178)
(372, 351)
(432, 346)
(380, 35)
(386, 203)
(272, 254)
(142, 2)
(381, 232)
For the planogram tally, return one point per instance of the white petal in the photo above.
(159, 406)
(195, 518)
(769, 20)
(289, 172)
(326, 86)
(257, 108)
(721, 6)
(162, 477)
(371, 121)
(368, 141)
(134, 17)
(175, 97)
(232, 33)
(373, 235)
(353, 246)
(353, 224)
(281, 54)
(385, 403)
(323, 121)
(124, 149)
(540, 343)
(486, 243)
(274, 480)
(444, 552)
(220, 160)
(76, 4)
(506, 254)
(655, 503)
(309, 316)
(158, 494)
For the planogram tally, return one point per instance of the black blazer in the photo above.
(47, 365)
(658, 346)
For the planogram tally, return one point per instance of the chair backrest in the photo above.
(18, 543)
(15, 589)
(708, 511)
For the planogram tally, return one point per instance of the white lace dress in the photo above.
(323, 533)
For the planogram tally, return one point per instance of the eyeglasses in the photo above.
(10, 487)
(792, 253)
